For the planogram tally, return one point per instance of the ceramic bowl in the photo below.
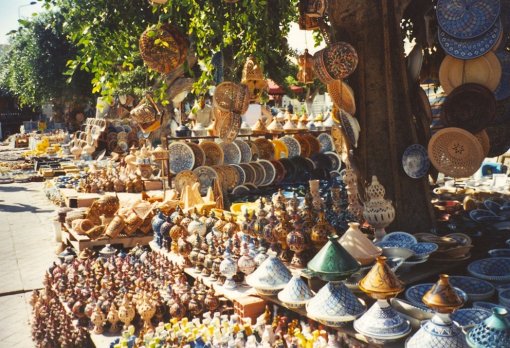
(270, 277)
(486, 305)
(397, 253)
(482, 215)
(406, 266)
(296, 293)
(499, 253)
(415, 294)
(469, 317)
(403, 239)
(423, 249)
(476, 289)
(494, 269)
(382, 323)
(504, 298)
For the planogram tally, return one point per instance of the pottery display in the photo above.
(358, 245)
(469, 317)
(380, 282)
(270, 277)
(415, 294)
(492, 332)
(382, 323)
(296, 293)
(378, 211)
(439, 331)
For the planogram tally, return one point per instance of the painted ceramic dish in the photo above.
(486, 305)
(326, 142)
(249, 173)
(293, 146)
(494, 269)
(269, 170)
(240, 190)
(280, 149)
(241, 173)
(206, 176)
(181, 157)
(245, 148)
(260, 174)
(304, 145)
(265, 148)
(415, 161)
(280, 171)
(415, 293)
(313, 143)
(199, 154)
(336, 161)
(476, 289)
(231, 153)
(183, 179)
(503, 89)
(470, 48)
(403, 239)
(467, 19)
(423, 249)
(499, 252)
(469, 317)
(213, 153)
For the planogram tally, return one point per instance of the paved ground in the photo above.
(26, 250)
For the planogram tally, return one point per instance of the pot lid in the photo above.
(334, 260)
(380, 282)
(442, 297)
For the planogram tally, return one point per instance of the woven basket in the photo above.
(499, 137)
(229, 96)
(335, 62)
(147, 115)
(228, 125)
(163, 48)
(455, 152)
(342, 96)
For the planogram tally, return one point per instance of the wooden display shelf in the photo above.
(81, 242)
(75, 199)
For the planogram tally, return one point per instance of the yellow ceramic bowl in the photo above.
(239, 208)
(280, 149)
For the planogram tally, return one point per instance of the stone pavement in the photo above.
(26, 251)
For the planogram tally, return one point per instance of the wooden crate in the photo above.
(81, 242)
(249, 307)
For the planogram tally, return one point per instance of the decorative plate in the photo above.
(245, 148)
(280, 149)
(280, 171)
(468, 317)
(467, 19)
(494, 269)
(249, 172)
(206, 176)
(254, 150)
(404, 239)
(503, 89)
(228, 127)
(415, 293)
(184, 178)
(270, 171)
(265, 148)
(232, 177)
(293, 146)
(350, 126)
(240, 190)
(304, 145)
(415, 161)
(326, 142)
(487, 305)
(181, 157)
(414, 62)
(336, 161)
(499, 252)
(476, 289)
(470, 48)
(313, 142)
(335, 62)
(231, 153)
(213, 153)
(241, 172)
(199, 154)
(423, 249)
(260, 173)
(290, 169)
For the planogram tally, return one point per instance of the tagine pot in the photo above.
(492, 332)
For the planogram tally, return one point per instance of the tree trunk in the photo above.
(383, 105)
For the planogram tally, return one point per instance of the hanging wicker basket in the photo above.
(163, 48)
(229, 96)
(335, 62)
(147, 115)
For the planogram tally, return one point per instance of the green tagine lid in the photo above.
(333, 262)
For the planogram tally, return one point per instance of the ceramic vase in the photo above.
(378, 211)
(228, 268)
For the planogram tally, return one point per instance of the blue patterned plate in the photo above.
(415, 161)
(403, 239)
(415, 294)
(241, 172)
(472, 48)
(467, 19)
(231, 153)
(206, 176)
(270, 172)
(326, 142)
(246, 153)
(181, 157)
(292, 145)
(423, 249)
(503, 89)
(499, 252)
(487, 305)
(468, 317)
(476, 289)
(494, 269)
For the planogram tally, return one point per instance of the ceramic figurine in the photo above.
(228, 268)
(98, 319)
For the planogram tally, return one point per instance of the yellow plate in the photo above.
(280, 149)
(239, 208)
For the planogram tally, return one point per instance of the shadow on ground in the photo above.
(19, 208)
(13, 188)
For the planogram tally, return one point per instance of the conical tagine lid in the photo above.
(380, 282)
(442, 297)
(333, 262)
(358, 245)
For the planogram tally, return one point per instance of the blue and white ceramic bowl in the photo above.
(499, 252)
(476, 289)
(423, 249)
(487, 305)
(382, 323)
(504, 298)
(296, 293)
(494, 269)
(469, 317)
(334, 305)
(403, 239)
(415, 294)
(270, 277)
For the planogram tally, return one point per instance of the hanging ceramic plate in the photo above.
(280, 172)
(467, 19)
(240, 190)
(342, 96)
(270, 171)
(241, 172)
(254, 150)
(336, 161)
(199, 154)
(484, 70)
(206, 176)
(484, 140)
(232, 177)
(415, 161)
(293, 146)
(181, 157)
(245, 148)
(183, 179)
(305, 146)
(350, 126)
(280, 149)
(414, 62)
(260, 173)
(249, 173)
(326, 142)
(314, 144)
(471, 48)
(503, 89)
(265, 148)
(213, 153)
(231, 153)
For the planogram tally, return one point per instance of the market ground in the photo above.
(26, 251)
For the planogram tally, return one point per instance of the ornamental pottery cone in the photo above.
(358, 245)
(333, 262)
(380, 282)
(442, 297)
